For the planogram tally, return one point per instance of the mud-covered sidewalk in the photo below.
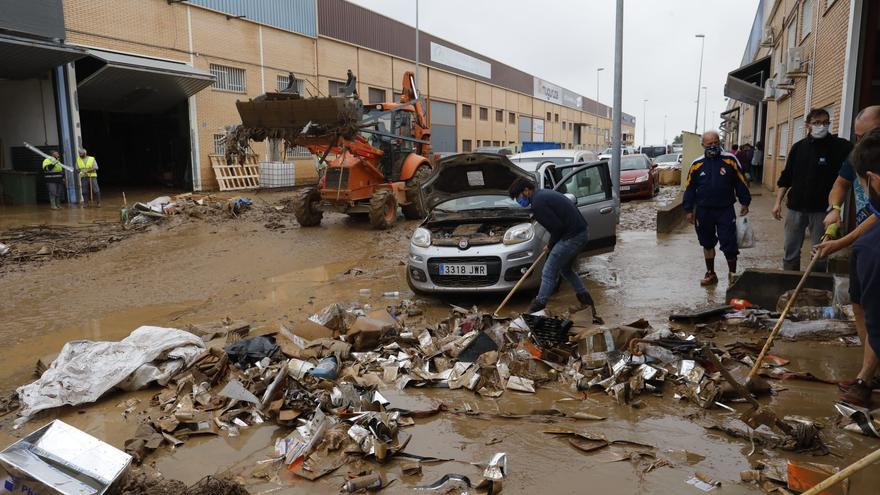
(248, 268)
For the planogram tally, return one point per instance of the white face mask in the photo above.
(818, 131)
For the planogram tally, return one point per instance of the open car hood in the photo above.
(470, 174)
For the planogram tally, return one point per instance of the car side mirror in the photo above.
(571, 197)
(679, 159)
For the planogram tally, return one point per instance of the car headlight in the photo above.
(421, 237)
(643, 178)
(519, 233)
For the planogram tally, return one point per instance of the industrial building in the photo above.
(148, 86)
(802, 54)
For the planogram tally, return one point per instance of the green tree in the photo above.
(678, 139)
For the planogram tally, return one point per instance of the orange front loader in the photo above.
(378, 154)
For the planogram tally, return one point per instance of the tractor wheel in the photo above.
(415, 210)
(305, 207)
(383, 209)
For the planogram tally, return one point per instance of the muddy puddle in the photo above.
(201, 273)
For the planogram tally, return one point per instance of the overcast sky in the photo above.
(564, 41)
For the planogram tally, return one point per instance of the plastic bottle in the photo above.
(391, 294)
(365, 292)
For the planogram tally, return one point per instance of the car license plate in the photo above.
(625, 188)
(464, 270)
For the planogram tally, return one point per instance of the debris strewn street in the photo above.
(449, 386)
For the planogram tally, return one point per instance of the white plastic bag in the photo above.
(745, 234)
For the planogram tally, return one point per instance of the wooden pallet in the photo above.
(236, 177)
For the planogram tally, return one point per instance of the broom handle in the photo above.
(845, 473)
(782, 316)
(521, 280)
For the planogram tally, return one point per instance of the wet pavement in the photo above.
(199, 272)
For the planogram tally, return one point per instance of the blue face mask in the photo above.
(523, 201)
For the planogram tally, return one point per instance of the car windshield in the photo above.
(633, 163)
(669, 157)
(607, 151)
(557, 160)
(489, 201)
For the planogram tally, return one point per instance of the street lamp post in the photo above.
(705, 102)
(699, 79)
(417, 48)
(598, 70)
(665, 142)
(644, 122)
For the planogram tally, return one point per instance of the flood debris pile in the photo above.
(322, 381)
(190, 205)
(35, 244)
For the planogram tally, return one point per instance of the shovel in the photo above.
(760, 359)
(521, 280)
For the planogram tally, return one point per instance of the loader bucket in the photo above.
(331, 114)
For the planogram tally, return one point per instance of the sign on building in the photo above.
(462, 61)
(548, 91)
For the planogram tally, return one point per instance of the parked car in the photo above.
(655, 151)
(501, 150)
(668, 160)
(476, 239)
(558, 157)
(677, 148)
(639, 177)
(625, 150)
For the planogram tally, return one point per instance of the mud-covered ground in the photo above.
(199, 271)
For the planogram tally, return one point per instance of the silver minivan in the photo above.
(476, 239)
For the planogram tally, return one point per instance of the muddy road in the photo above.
(202, 271)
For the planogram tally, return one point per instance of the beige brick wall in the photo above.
(156, 29)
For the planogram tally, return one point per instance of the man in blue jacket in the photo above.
(714, 183)
(568, 237)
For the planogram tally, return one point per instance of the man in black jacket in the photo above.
(568, 237)
(810, 171)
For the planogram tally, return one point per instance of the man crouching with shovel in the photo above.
(568, 238)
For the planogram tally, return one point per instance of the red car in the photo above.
(639, 177)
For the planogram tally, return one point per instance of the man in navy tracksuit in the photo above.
(714, 183)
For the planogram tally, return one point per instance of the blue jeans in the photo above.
(95, 192)
(558, 263)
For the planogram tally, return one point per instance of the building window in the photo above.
(772, 133)
(336, 88)
(484, 113)
(282, 81)
(219, 144)
(376, 95)
(791, 34)
(466, 145)
(228, 78)
(563, 125)
(799, 131)
(465, 111)
(496, 143)
(555, 117)
(486, 142)
(807, 18)
(499, 115)
(511, 118)
(782, 149)
(549, 116)
(397, 96)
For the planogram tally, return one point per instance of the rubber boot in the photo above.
(536, 306)
(587, 300)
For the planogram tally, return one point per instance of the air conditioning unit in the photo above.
(769, 37)
(794, 60)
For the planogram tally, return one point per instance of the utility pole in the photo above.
(699, 79)
(665, 142)
(418, 88)
(705, 102)
(644, 122)
(618, 100)
(600, 69)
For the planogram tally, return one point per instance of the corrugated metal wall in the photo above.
(354, 24)
(297, 16)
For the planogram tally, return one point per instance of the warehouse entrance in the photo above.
(134, 116)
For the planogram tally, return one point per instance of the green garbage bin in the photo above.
(18, 188)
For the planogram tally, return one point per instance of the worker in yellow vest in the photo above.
(88, 171)
(54, 175)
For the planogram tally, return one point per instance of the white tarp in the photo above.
(86, 370)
